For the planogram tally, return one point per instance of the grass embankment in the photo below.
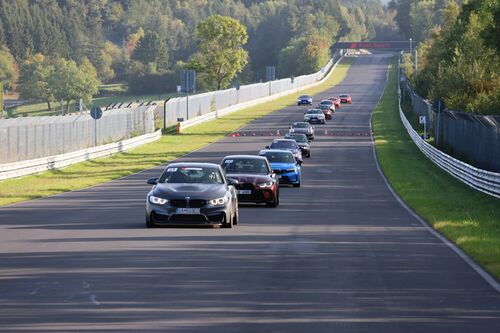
(466, 216)
(169, 147)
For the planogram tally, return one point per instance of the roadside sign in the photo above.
(270, 73)
(188, 81)
(96, 112)
(422, 120)
(179, 89)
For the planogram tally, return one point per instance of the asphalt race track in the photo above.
(339, 254)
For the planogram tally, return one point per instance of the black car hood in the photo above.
(303, 145)
(195, 191)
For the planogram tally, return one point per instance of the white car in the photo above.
(314, 116)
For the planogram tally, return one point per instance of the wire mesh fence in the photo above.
(33, 137)
(474, 139)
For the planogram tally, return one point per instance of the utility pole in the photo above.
(411, 50)
(1, 100)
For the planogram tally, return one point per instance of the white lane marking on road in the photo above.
(468, 260)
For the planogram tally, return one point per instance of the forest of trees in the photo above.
(458, 51)
(146, 42)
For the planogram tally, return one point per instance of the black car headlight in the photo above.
(219, 201)
(157, 200)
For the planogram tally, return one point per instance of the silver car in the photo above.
(314, 116)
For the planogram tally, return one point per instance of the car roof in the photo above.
(300, 122)
(193, 164)
(305, 96)
(252, 157)
(296, 134)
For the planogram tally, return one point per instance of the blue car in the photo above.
(305, 99)
(284, 165)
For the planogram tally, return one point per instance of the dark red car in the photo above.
(327, 111)
(336, 102)
(344, 98)
(256, 181)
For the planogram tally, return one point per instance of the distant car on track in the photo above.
(303, 128)
(302, 141)
(328, 103)
(256, 181)
(327, 111)
(192, 193)
(336, 102)
(344, 98)
(287, 144)
(314, 116)
(284, 165)
(305, 99)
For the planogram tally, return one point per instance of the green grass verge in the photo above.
(169, 147)
(465, 216)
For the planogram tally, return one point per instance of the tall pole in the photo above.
(1, 100)
(187, 106)
(416, 60)
(165, 115)
(411, 50)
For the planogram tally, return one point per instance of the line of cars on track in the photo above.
(209, 194)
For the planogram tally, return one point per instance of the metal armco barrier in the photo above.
(481, 180)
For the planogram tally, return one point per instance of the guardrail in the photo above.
(481, 180)
(18, 169)
(213, 115)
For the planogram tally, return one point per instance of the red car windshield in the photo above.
(241, 165)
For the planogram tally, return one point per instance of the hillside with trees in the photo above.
(458, 54)
(145, 43)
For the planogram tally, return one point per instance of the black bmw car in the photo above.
(302, 141)
(303, 127)
(192, 193)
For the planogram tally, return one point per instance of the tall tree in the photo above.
(8, 73)
(34, 79)
(220, 54)
(152, 48)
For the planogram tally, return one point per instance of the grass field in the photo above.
(169, 147)
(467, 217)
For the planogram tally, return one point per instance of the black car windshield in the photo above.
(344, 95)
(284, 144)
(191, 175)
(314, 112)
(245, 165)
(326, 102)
(300, 125)
(299, 138)
(304, 97)
(279, 157)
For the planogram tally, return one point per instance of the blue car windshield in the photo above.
(241, 165)
(279, 157)
(191, 175)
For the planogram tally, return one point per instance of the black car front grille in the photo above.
(244, 186)
(192, 203)
(279, 172)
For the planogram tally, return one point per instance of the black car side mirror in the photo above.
(299, 162)
(232, 182)
(267, 147)
(152, 181)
